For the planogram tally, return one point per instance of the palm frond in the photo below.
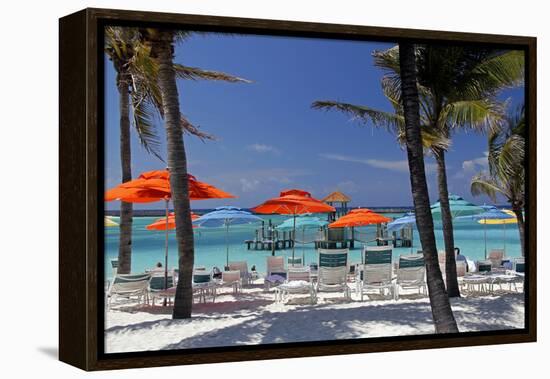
(480, 115)
(387, 59)
(505, 69)
(143, 120)
(194, 73)
(195, 130)
(511, 158)
(483, 184)
(387, 120)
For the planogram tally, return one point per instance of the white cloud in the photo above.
(392, 165)
(249, 185)
(473, 166)
(253, 180)
(261, 148)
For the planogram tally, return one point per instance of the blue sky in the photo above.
(269, 138)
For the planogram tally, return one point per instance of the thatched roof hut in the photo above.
(337, 197)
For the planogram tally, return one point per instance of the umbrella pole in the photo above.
(227, 243)
(273, 242)
(166, 249)
(485, 236)
(293, 236)
(412, 238)
(504, 228)
(303, 247)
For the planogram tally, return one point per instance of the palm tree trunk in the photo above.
(521, 227)
(441, 309)
(177, 165)
(447, 222)
(126, 211)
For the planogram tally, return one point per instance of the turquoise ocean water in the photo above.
(210, 250)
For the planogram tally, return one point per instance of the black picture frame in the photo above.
(81, 190)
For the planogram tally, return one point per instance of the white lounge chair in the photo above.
(518, 265)
(376, 272)
(276, 266)
(496, 256)
(114, 266)
(484, 266)
(157, 286)
(242, 267)
(518, 269)
(294, 262)
(203, 285)
(411, 273)
(128, 286)
(232, 279)
(333, 271)
(298, 281)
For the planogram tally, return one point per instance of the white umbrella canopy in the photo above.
(224, 217)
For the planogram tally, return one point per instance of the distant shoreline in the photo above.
(161, 212)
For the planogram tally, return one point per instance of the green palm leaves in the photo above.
(506, 162)
(133, 57)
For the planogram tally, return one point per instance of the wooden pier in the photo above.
(268, 238)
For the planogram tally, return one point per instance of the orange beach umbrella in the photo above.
(154, 186)
(359, 217)
(170, 224)
(293, 202)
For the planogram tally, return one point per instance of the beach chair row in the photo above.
(146, 288)
(377, 273)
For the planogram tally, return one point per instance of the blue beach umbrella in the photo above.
(303, 222)
(406, 221)
(224, 217)
(459, 207)
(490, 213)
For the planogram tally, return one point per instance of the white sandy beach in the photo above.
(253, 317)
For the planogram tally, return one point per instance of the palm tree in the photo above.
(137, 74)
(456, 89)
(120, 47)
(159, 46)
(506, 168)
(441, 308)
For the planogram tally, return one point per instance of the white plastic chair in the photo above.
(232, 279)
(128, 286)
(376, 271)
(242, 267)
(411, 273)
(333, 270)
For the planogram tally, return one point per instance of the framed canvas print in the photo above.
(240, 189)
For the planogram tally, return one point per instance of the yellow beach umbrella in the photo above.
(108, 222)
(502, 221)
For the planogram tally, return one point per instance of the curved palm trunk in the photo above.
(177, 165)
(521, 227)
(447, 222)
(441, 309)
(126, 210)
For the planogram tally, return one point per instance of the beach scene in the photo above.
(273, 190)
